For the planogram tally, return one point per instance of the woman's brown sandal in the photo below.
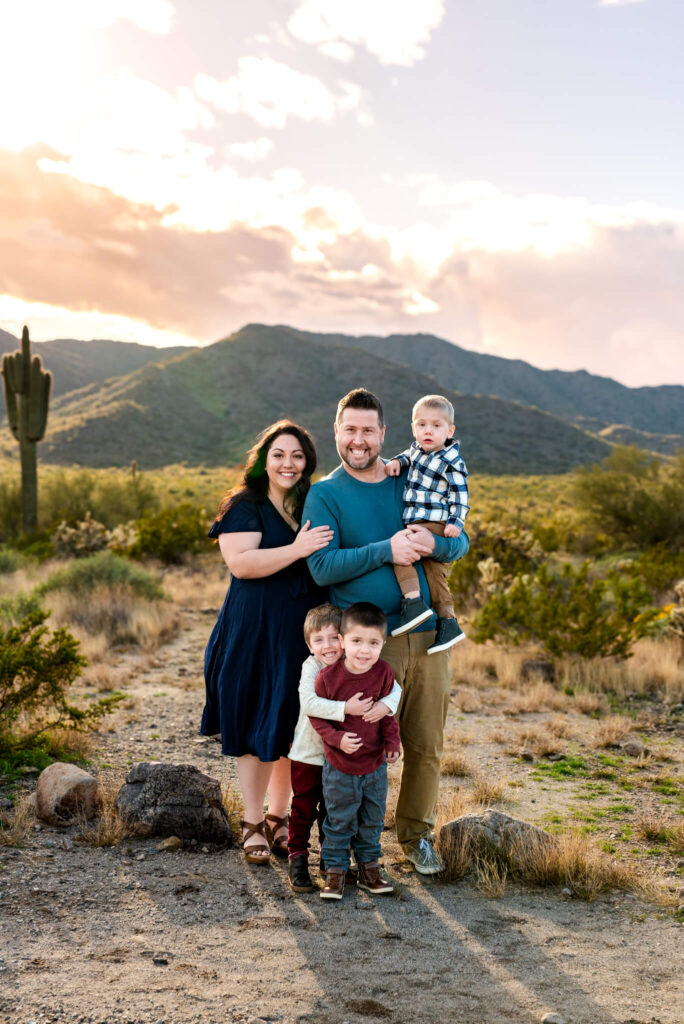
(278, 843)
(259, 853)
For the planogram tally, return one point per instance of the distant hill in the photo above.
(77, 363)
(664, 444)
(206, 406)
(570, 395)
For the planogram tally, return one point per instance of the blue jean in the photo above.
(355, 806)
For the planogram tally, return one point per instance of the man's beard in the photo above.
(372, 459)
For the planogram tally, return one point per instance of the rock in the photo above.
(634, 749)
(553, 1018)
(65, 792)
(494, 828)
(174, 800)
(526, 755)
(566, 892)
(539, 669)
(172, 843)
(555, 757)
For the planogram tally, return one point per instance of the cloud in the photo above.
(253, 150)
(271, 92)
(618, 3)
(149, 15)
(609, 302)
(394, 31)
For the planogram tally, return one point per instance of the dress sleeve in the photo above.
(243, 517)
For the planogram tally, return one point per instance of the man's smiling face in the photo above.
(359, 438)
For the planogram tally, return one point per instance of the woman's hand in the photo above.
(358, 704)
(307, 540)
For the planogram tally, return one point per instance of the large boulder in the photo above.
(494, 829)
(65, 792)
(174, 800)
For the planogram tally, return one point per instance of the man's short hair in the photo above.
(359, 398)
(322, 615)
(365, 614)
(438, 402)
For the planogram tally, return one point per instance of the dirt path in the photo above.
(136, 936)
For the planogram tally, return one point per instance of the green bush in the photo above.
(569, 613)
(37, 668)
(111, 498)
(659, 568)
(9, 560)
(104, 569)
(171, 534)
(512, 549)
(635, 498)
(14, 609)
(10, 509)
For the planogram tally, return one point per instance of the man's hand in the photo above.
(452, 530)
(392, 756)
(350, 743)
(422, 540)
(405, 551)
(378, 711)
(393, 467)
(358, 705)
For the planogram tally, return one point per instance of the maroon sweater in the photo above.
(336, 682)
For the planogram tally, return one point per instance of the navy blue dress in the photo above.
(254, 656)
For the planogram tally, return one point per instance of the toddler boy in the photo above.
(357, 752)
(322, 636)
(435, 496)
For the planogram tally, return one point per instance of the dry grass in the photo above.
(654, 668)
(490, 791)
(588, 703)
(499, 735)
(15, 825)
(70, 744)
(101, 677)
(491, 875)
(559, 726)
(539, 696)
(108, 828)
(655, 827)
(455, 763)
(118, 615)
(476, 663)
(612, 730)
(540, 740)
(232, 803)
(467, 701)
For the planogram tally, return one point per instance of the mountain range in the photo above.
(114, 401)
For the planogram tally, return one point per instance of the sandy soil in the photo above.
(130, 934)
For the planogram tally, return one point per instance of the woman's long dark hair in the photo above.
(254, 484)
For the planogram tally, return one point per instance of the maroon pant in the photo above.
(307, 807)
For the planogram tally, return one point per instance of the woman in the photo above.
(255, 652)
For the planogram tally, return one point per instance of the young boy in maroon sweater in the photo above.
(356, 754)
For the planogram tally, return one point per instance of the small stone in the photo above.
(566, 892)
(526, 755)
(555, 757)
(140, 856)
(64, 792)
(159, 961)
(553, 1018)
(172, 843)
(634, 749)
(66, 843)
(205, 849)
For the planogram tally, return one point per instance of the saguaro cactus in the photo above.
(27, 396)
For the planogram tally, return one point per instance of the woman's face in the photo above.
(285, 463)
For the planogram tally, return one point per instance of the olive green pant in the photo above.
(421, 715)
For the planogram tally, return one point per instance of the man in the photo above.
(363, 507)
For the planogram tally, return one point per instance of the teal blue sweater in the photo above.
(357, 564)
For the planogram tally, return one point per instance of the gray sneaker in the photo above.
(424, 857)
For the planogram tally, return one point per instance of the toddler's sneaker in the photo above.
(372, 880)
(448, 633)
(334, 884)
(413, 612)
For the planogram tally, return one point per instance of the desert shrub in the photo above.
(9, 560)
(64, 495)
(496, 553)
(37, 668)
(658, 567)
(171, 534)
(569, 613)
(119, 497)
(16, 607)
(117, 613)
(80, 540)
(635, 498)
(104, 569)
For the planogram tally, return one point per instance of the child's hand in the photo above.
(392, 756)
(350, 743)
(452, 530)
(392, 468)
(378, 711)
(358, 705)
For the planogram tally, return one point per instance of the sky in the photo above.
(506, 174)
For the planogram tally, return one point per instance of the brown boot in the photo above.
(334, 884)
(371, 880)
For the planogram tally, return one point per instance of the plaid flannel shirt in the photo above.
(436, 488)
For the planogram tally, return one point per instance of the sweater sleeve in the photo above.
(390, 733)
(311, 703)
(334, 564)
(458, 494)
(403, 458)
(449, 549)
(331, 732)
(393, 697)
